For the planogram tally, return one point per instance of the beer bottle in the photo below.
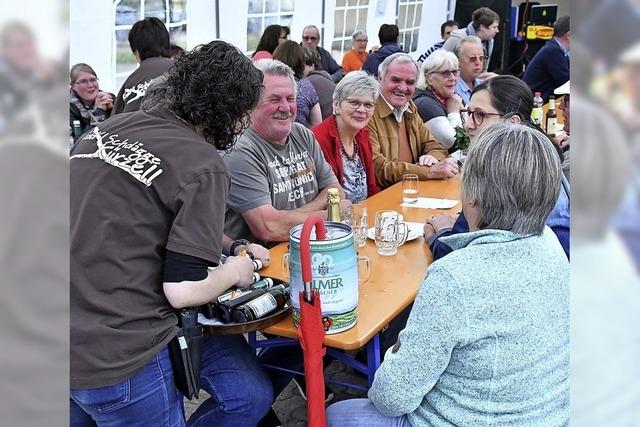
(552, 115)
(273, 299)
(333, 205)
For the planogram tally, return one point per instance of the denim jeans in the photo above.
(240, 390)
(361, 412)
(147, 398)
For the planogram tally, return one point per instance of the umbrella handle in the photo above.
(305, 249)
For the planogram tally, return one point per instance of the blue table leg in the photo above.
(373, 357)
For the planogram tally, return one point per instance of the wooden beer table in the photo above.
(392, 286)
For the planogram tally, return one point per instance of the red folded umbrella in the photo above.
(311, 330)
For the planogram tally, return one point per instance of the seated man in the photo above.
(278, 173)
(400, 142)
(445, 32)
(549, 68)
(311, 39)
(471, 59)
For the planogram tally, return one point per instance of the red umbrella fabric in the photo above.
(311, 330)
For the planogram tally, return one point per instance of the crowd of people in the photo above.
(213, 153)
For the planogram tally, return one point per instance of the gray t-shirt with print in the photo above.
(263, 173)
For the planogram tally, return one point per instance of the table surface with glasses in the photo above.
(394, 280)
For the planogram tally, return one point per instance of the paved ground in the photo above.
(291, 407)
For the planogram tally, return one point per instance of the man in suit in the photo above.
(549, 68)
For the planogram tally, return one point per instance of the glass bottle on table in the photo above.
(333, 205)
(551, 118)
(273, 299)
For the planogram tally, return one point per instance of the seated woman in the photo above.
(436, 99)
(87, 103)
(308, 111)
(354, 58)
(271, 38)
(500, 98)
(344, 138)
(487, 340)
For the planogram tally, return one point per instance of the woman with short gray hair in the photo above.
(344, 138)
(487, 340)
(354, 58)
(436, 99)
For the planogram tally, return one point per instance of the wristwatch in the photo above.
(235, 244)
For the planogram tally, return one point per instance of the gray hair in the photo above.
(357, 83)
(357, 33)
(436, 62)
(155, 94)
(317, 30)
(273, 67)
(457, 49)
(513, 173)
(400, 58)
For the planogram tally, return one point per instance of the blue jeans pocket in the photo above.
(103, 399)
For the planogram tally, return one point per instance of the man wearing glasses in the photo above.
(311, 39)
(471, 61)
(485, 24)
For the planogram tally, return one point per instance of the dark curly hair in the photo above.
(214, 87)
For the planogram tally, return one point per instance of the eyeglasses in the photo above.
(355, 104)
(477, 116)
(307, 38)
(476, 58)
(447, 73)
(362, 40)
(85, 82)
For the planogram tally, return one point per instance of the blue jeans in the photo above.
(240, 390)
(361, 412)
(147, 398)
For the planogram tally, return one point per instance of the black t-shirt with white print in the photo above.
(135, 87)
(141, 183)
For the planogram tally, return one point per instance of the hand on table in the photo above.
(435, 223)
(448, 168)
(427, 160)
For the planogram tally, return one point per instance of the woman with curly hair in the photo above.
(148, 198)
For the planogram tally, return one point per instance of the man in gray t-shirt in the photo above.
(278, 172)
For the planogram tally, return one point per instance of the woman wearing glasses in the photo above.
(344, 138)
(500, 98)
(436, 98)
(87, 103)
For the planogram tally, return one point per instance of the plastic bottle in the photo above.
(536, 113)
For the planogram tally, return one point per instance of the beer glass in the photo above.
(390, 233)
(358, 219)
(410, 186)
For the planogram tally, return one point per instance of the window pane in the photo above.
(336, 49)
(362, 19)
(285, 20)
(338, 29)
(271, 6)
(402, 15)
(350, 26)
(254, 31)
(418, 17)
(269, 20)
(340, 3)
(287, 5)
(154, 8)
(128, 12)
(125, 61)
(414, 42)
(255, 6)
(177, 11)
(179, 36)
(352, 2)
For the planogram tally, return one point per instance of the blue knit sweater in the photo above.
(487, 341)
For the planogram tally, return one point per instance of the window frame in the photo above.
(346, 43)
(413, 31)
(279, 14)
